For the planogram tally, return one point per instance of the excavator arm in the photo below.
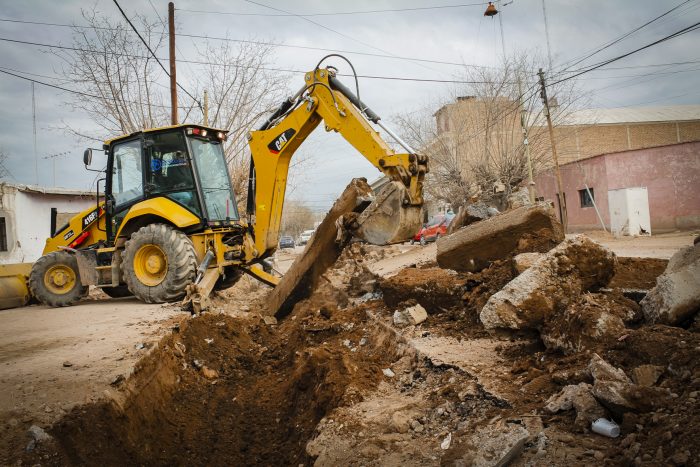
(394, 215)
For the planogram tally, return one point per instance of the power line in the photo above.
(341, 13)
(269, 44)
(680, 32)
(198, 62)
(153, 53)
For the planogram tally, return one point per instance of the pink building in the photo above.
(664, 178)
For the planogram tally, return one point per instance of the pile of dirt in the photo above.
(228, 391)
(434, 288)
(637, 273)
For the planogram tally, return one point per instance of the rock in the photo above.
(469, 214)
(269, 320)
(580, 398)
(445, 445)
(67, 364)
(611, 386)
(519, 198)
(523, 261)
(496, 445)
(412, 315)
(388, 373)
(400, 422)
(473, 248)
(647, 375)
(38, 434)
(209, 373)
(118, 380)
(550, 285)
(676, 297)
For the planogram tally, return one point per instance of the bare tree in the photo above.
(123, 90)
(296, 218)
(475, 140)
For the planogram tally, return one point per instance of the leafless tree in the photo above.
(125, 90)
(296, 218)
(475, 138)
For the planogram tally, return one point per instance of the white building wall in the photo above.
(28, 220)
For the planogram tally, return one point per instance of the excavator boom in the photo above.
(392, 215)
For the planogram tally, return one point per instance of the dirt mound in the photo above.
(229, 391)
(637, 273)
(435, 289)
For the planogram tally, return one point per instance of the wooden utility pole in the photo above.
(173, 76)
(560, 190)
(206, 108)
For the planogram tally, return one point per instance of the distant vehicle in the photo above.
(434, 229)
(304, 237)
(286, 242)
(416, 237)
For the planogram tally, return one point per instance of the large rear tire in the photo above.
(159, 263)
(55, 280)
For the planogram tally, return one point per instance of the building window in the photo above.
(586, 198)
(3, 234)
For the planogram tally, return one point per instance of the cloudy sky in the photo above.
(435, 30)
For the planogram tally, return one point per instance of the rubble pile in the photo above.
(515, 347)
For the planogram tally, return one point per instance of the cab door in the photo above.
(125, 182)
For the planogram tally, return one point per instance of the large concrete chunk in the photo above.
(528, 228)
(470, 214)
(550, 285)
(320, 253)
(578, 397)
(611, 386)
(676, 297)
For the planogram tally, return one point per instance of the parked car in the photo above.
(434, 229)
(304, 237)
(416, 237)
(286, 242)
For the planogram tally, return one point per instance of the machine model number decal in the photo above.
(68, 234)
(278, 143)
(90, 218)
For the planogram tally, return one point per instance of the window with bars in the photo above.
(586, 197)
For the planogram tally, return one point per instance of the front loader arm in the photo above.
(324, 99)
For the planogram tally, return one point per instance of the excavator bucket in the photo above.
(13, 285)
(388, 219)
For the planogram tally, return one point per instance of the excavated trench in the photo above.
(228, 391)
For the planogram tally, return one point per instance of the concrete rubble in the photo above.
(470, 214)
(676, 297)
(527, 228)
(612, 387)
(580, 398)
(410, 316)
(550, 285)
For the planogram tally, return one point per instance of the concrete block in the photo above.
(550, 285)
(676, 297)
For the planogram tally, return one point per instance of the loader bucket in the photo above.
(13, 285)
(387, 220)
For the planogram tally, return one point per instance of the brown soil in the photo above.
(637, 273)
(271, 388)
(434, 288)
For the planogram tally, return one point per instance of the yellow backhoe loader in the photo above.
(167, 226)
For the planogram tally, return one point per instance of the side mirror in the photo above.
(87, 157)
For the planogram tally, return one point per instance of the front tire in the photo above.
(55, 280)
(159, 262)
(422, 240)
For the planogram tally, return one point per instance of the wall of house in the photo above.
(671, 175)
(28, 220)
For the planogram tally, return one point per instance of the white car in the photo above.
(305, 236)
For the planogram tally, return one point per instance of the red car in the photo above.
(436, 227)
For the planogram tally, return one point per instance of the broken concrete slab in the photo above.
(410, 316)
(320, 253)
(469, 214)
(496, 445)
(676, 297)
(550, 285)
(611, 386)
(472, 249)
(578, 397)
(523, 261)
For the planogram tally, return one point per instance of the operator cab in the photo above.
(184, 163)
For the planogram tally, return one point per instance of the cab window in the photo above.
(127, 173)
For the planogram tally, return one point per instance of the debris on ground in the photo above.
(525, 229)
(514, 362)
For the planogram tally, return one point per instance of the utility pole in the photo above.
(560, 190)
(206, 108)
(173, 77)
(526, 143)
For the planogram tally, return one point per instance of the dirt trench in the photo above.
(225, 391)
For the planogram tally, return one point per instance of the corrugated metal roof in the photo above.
(669, 113)
(48, 191)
